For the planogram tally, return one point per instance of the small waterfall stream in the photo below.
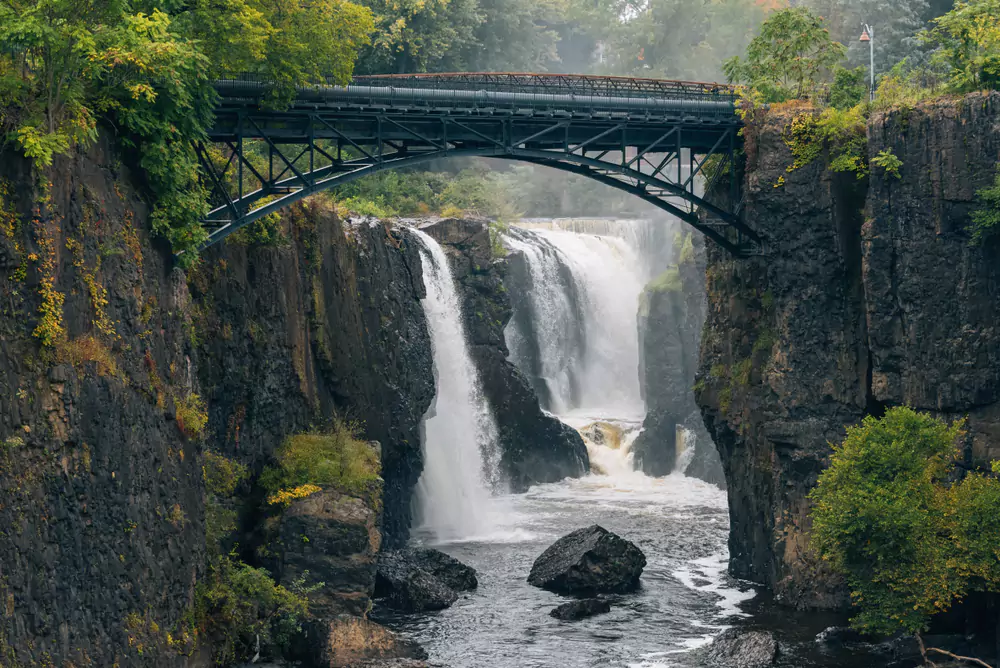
(460, 436)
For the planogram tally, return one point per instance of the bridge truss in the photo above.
(650, 138)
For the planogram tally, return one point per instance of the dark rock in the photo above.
(444, 567)
(329, 323)
(839, 635)
(351, 642)
(421, 579)
(671, 318)
(591, 560)
(587, 607)
(334, 538)
(534, 446)
(736, 648)
(869, 295)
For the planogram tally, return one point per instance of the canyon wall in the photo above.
(869, 295)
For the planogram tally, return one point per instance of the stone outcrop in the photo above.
(736, 648)
(333, 538)
(869, 295)
(414, 580)
(352, 642)
(588, 561)
(535, 447)
(327, 323)
(671, 316)
(587, 607)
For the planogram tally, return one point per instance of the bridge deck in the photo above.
(651, 138)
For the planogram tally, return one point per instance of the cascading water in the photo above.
(460, 436)
(575, 334)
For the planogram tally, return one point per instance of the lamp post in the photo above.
(868, 35)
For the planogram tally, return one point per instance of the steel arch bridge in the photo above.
(647, 137)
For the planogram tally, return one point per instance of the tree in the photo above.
(888, 515)
(420, 35)
(789, 57)
(967, 40)
(849, 87)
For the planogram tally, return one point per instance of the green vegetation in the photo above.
(888, 162)
(335, 458)
(789, 56)
(191, 415)
(668, 281)
(986, 219)
(144, 68)
(890, 516)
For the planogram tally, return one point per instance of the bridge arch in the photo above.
(649, 138)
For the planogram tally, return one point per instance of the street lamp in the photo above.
(868, 35)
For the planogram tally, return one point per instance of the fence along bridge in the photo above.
(647, 137)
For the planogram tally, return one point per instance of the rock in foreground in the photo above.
(350, 642)
(415, 580)
(742, 649)
(582, 609)
(589, 561)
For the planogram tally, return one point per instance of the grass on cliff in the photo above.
(333, 458)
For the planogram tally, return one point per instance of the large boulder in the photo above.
(353, 642)
(415, 580)
(587, 607)
(736, 648)
(589, 561)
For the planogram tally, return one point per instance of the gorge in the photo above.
(513, 396)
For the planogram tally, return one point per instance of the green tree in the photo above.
(986, 219)
(420, 35)
(789, 57)
(849, 87)
(967, 43)
(888, 515)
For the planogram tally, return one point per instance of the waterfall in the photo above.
(459, 433)
(574, 330)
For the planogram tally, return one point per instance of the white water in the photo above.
(454, 499)
(585, 323)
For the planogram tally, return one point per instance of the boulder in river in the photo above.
(736, 648)
(587, 607)
(589, 561)
(415, 580)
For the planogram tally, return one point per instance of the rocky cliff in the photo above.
(869, 295)
(326, 322)
(671, 317)
(535, 447)
(101, 502)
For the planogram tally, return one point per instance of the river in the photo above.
(574, 335)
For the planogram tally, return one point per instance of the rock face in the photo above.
(351, 642)
(335, 539)
(588, 607)
(328, 323)
(101, 498)
(415, 580)
(870, 295)
(671, 316)
(535, 448)
(589, 561)
(742, 649)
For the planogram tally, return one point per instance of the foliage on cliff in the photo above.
(889, 515)
(986, 219)
(240, 609)
(334, 457)
(144, 67)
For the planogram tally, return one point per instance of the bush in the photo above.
(335, 458)
(888, 516)
(237, 604)
(191, 415)
(986, 219)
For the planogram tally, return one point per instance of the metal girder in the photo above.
(654, 153)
